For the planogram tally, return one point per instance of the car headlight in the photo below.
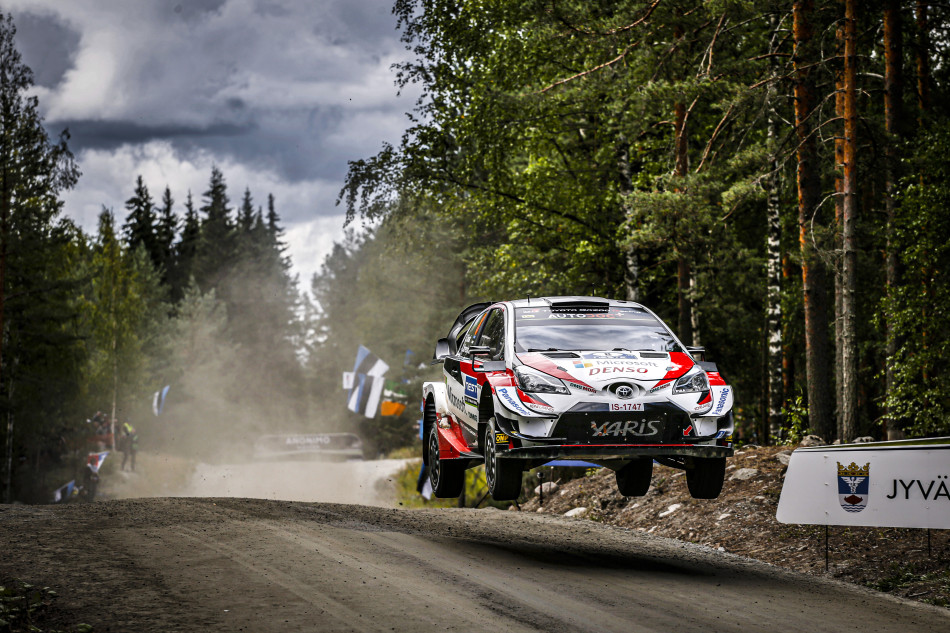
(691, 383)
(532, 381)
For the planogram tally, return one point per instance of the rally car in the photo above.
(573, 378)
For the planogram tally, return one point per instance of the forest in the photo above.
(770, 177)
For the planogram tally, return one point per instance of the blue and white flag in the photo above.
(367, 383)
(64, 492)
(158, 402)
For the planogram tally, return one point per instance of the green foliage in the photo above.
(920, 306)
(795, 415)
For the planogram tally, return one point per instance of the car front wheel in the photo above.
(446, 477)
(503, 475)
(633, 480)
(704, 477)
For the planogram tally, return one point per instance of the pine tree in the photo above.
(140, 227)
(215, 252)
(35, 286)
(187, 248)
(166, 231)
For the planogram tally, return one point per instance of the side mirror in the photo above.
(481, 366)
(441, 350)
(698, 353)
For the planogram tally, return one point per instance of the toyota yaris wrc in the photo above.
(579, 378)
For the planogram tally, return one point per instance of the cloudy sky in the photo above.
(279, 94)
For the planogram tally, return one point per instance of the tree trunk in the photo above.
(839, 214)
(849, 305)
(681, 155)
(632, 274)
(773, 309)
(893, 112)
(923, 60)
(809, 191)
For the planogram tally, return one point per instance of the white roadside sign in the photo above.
(883, 484)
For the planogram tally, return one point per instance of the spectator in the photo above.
(130, 444)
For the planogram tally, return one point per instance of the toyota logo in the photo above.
(624, 392)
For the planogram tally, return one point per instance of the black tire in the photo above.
(633, 480)
(704, 477)
(446, 477)
(503, 475)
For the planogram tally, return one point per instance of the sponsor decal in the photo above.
(722, 400)
(501, 438)
(581, 365)
(581, 387)
(541, 408)
(623, 429)
(527, 316)
(646, 363)
(617, 370)
(609, 355)
(460, 405)
(626, 406)
(471, 391)
(510, 401)
(908, 490)
(307, 439)
(659, 387)
(853, 485)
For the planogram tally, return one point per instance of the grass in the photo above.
(26, 608)
(905, 576)
(475, 489)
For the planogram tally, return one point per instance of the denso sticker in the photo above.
(510, 399)
(626, 406)
(593, 371)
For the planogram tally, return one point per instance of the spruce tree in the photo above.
(140, 227)
(165, 232)
(187, 248)
(215, 253)
(37, 350)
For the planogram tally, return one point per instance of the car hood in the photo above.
(598, 368)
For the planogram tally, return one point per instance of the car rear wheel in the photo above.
(633, 480)
(503, 475)
(446, 476)
(704, 476)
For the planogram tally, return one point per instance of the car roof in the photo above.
(570, 301)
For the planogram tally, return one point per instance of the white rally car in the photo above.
(578, 378)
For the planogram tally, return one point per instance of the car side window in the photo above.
(468, 339)
(493, 334)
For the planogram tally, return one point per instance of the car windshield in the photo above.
(619, 328)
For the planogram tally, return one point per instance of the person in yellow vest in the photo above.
(130, 444)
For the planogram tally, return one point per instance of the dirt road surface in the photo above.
(216, 564)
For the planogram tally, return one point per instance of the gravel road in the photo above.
(216, 564)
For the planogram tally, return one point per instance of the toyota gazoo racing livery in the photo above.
(573, 378)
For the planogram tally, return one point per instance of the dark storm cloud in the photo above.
(112, 134)
(47, 46)
(278, 93)
(267, 82)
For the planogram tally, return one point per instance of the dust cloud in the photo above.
(357, 482)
